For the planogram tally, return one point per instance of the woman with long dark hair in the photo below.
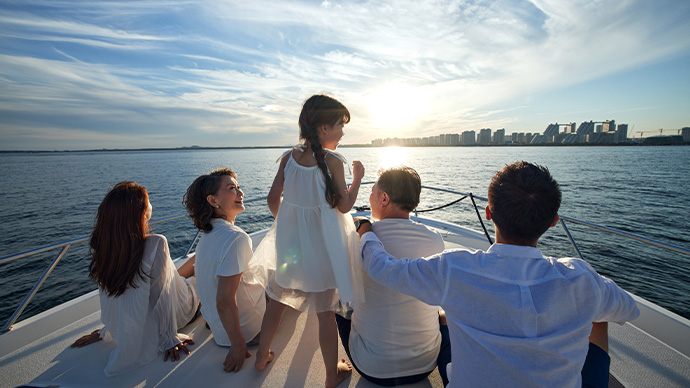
(144, 299)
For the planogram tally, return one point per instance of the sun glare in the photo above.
(394, 106)
(392, 157)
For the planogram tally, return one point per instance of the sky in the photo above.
(155, 74)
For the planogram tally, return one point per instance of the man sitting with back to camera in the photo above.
(394, 338)
(516, 318)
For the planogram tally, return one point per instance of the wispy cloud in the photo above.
(240, 70)
(34, 25)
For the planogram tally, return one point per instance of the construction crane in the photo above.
(661, 132)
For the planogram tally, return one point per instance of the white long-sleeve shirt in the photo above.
(144, 320)
(516, 318)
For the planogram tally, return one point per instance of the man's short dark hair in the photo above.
(523, 201)
(403, 186)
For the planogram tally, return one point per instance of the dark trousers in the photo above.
(444, 357)
(595, 372)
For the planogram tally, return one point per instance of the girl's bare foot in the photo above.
(344, 370)
(263, 359)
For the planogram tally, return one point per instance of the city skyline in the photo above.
(151, 74)
(590, 132)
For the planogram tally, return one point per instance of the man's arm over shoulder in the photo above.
(616, 304)
(423, 278)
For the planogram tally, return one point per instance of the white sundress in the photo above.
(311, 249)
(144, 320)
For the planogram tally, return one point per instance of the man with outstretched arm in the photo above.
(516, 318)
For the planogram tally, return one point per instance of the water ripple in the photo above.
(636, 189)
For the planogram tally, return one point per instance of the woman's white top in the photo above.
(144, 320)
(227, 251)
(312, 246)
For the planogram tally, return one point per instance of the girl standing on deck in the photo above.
(312, 242)
(144, 300)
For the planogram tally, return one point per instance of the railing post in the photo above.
(572, 240)
(196, 237)
(632, 236)
(39, 283)
(65, 245)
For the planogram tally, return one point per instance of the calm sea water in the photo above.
(52, 197)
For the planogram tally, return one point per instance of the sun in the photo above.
(396, 105)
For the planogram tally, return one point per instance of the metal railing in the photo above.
(607, 229)
(67, 244)
(629, 235)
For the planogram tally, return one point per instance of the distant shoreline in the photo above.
(340, 146)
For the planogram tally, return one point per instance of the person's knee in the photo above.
(326, 316)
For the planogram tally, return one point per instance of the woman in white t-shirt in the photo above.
(232, 297)
(144, 300)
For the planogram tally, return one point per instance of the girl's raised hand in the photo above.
(357, 170)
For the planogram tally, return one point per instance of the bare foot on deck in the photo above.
(262, 360)
(344, 370)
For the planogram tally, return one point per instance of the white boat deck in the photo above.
(37, 352)
(49, 361)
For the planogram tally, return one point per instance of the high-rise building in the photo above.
(621, 135)
(469, 138)
(500, 136)
(609, 126)
(551, 130)
(529, 137)
(484, 136)
(538, 139)
(454, 139)
(585, 128)
(521, 138)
